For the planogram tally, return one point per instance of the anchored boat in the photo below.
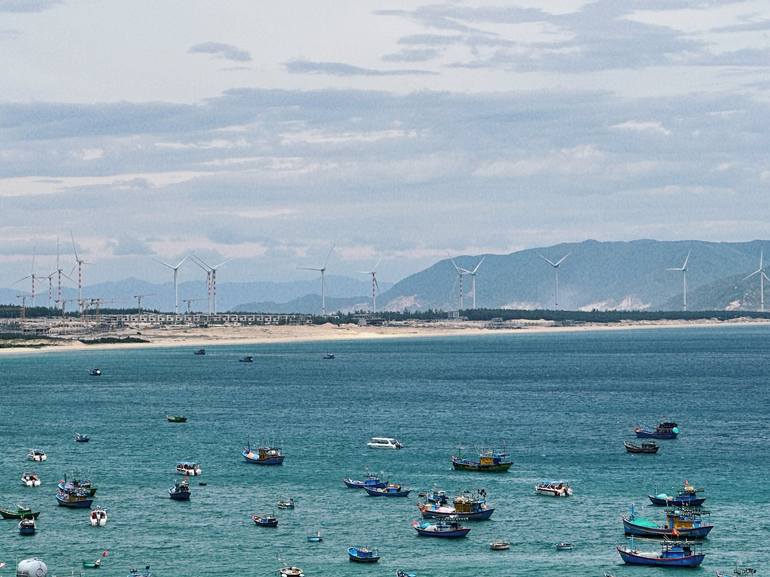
(95, 372)
(645, 448)
(384, 443)
(363, 555)
(98, 517)
(20, 512)
(468, 507)
(27, 526)
(246, 359)
(265, 521)
(391, 490)
(447, 529)
(74, 498)
(672, 554)
(291, 572)
(679, 523)
(81, 438)
(180, 491)
(176, 418)
(37, 455)
(489, 460)
(664, 430)
(30, 479)
(686, 497)
(286, 503)
(188, 468)
(76, 484)
(263, 455)
(554, 489)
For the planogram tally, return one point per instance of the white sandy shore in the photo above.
(245, 335)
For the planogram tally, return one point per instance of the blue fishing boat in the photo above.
(371, 481)
(74, 499)
(76, 484)
(672, 554)
(447, 529)
(265, 521)
(679, 523)
(180, 491)
(664, 430)
(263, 455)
(200, 352)
(489, 461)
(686, 497)
(390, 490)
(467, 507)
(363, 555)
(437, 496)
(27, 526)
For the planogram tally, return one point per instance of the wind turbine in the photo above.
(762, 278)
(80, 262)
(211, 280)
(473, 278)
(176, 274)
(375, 284)
(556, 266)
(683, 270)
(32, 276)
(59, 272)
(460, 273)
(322, 270)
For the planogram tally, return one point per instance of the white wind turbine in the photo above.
(375, 284)
(461, 272)
(176, 274)
(762, 278)
(211, 280)
(556, 266)
(79, 262)
(59, 272)
(683, 270)
(322, 270)
(473, 278)
(33, 276)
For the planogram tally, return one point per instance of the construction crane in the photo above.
(190, 301)
(139, 300)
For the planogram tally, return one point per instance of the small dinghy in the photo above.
(180, 491)
(27, 526)
(363, 555)
(37, 455)
(81, 438)
(286, 503)
(95, 372)
(265, 521)
(200, 352)
(401, 573)
(553, 489)
(246, 359)
(188, 468)
(499, 545)
(645, 448)
(328, 356)
(291, 572)
(98, 517)
(176, 418)
(30, 479)
(564, 546)
(315, 537)
(95, 564)
(138, 573)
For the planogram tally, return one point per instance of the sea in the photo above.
(561, 403)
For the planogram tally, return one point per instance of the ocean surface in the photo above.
(561, 403)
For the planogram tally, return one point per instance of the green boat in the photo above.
(92, 564)
(19, 513)
(176, 419)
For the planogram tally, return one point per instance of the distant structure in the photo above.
(683, 270)
(461, 272)
(375, 284)
(211, 280)
(556, 266)
(79, 262)
(762, 278)
(32, 276)
(322, 270)
(176, 274)
(472, 273)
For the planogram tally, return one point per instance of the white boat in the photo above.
(384, 443)
(37, 455)
(291, 572)
(98, 517)
(190, 469)
(30, 479)
(554, 489)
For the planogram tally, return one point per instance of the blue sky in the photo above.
(406, 131)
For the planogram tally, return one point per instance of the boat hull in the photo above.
(274, 460)
(18, 515)
(464, 465)
(453, 534)
(356, 557)
(483, 515)
(27, 530)
(631, 558)
(74, 504)
(352, 484)
(663, 532)
(676, 501)
(639, 450)
(379, 493)
(646, 434)
(184, 496)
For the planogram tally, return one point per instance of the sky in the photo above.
(399, 132)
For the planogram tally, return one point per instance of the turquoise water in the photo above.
(562, 403)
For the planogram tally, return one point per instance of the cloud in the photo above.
(221, 50)
(652, 126)
(412, 55)
(28, 6)
(341, 69)
(127, 246)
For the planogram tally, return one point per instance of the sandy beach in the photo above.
(186, 336)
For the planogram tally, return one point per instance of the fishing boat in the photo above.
(37, 455)
(200, 352)
(371, 481)
(81, 438)
(176, 418)
(645, 448)
(246, 359)
(390, 490)
(489, 461)
(663, 430)
(76, 484)
(20, 512)
(291, 572)
(265, 521)
(447, 529)
(286, 503)
(95, 372)
(437, 496)
(315, 537)
(384, 443)
(136, 572)
(467, 507)
(554, 489)
(499, 545)
(738, 572)
(27, 526)
(686, 497)
(188, 468)
(30, 479)
(400, 573)
(564, 546)
(74, 499)
(180, 491)
(328, 356)
(263, 455)
(363, 555)
(672, 554)
(682, 523)
(98, 517)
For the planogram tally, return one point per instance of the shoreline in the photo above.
(328, 333)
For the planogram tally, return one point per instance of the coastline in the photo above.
(171, 337)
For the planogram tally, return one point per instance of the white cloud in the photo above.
(650, 126)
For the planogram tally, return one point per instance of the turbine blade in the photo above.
(180, 262)
(221, 263)
(74, 249)
(331, 250)
(478, 265)
(687, 258)
(309, 268)
(562, 259)
(158, 261)
(546, 260)
(752, 274)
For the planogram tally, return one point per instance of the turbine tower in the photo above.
(211, 281)
(762, 278)
(461, 272)
(683, 270)
(322, 270)
(33, 277)
(375, 284)
(79, 265)
(556, 266)
(176, 274)
(473, 278)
